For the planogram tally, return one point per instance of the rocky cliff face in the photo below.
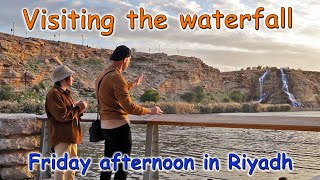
(24, 62)
(28, 61)
(304, 85)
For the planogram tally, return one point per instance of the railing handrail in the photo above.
(277, 121)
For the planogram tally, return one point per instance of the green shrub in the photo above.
(82, 92)
(30, 95)
(39, 87)
(150, 95)
(32, 66)
(196, 95)
(93, 61)
(189, 97)
(6, 93)
(237, 96)
(200, 94)
(77, 62)
(182, 61)
(226, 100)
(93, 95)
(246, 107)
(30, 107)
(25, 106)
(92, 106)
(219, 97)
(89, 61)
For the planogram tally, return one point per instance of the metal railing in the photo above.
(300, 121)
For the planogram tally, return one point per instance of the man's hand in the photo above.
(155, 110)
(138, 81)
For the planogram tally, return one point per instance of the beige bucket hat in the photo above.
(61, 72)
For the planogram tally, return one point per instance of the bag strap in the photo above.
(97, 95)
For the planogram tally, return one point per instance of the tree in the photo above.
(237, 96)
(197, 95)
(6, 93)
(150, 95)
(189, 97)
(200, 95)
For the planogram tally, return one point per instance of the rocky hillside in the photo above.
(25, 62)
(28, 61)
(304, 85)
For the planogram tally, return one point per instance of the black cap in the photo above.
(120, 53)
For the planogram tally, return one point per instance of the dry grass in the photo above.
(257, 107)
(174, 107)
(220, 108)
(29, 106)
(189, 108)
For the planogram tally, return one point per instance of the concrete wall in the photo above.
(20, 134)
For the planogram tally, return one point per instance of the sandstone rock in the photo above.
(19, 124)
(18, 172)
(81, 56)
(26, 143)
(57, 60)
(47, 61)
(6, 45)
(15, 158)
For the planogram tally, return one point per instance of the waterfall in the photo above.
(261, 82)
(285, 88)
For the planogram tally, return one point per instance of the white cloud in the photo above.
(76, 3)
(176, 7)
(121, 3)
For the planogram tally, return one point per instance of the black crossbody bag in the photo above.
(95, 129)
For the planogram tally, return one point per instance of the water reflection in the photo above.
(177, 141)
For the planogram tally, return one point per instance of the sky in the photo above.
(225, 49)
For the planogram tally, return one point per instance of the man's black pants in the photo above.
(116, 140)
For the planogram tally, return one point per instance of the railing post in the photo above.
(45, 149)
(152, 149)
(155, 149)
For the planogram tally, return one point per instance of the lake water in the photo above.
(179, 141)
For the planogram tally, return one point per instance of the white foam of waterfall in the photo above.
(285, 88)
(261, 83)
